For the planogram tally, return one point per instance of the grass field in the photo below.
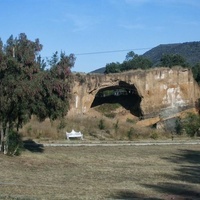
(124, 172)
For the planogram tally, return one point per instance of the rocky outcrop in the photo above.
(159, 92)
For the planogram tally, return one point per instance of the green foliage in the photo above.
(196, 72)
(197, 105)
(29, 129)
(188, 50)
(110, 115)
(116, 126)
(107, 108)
(61, 125)
(178, 126)
(154, 136)
(133, 121)
(27, 88)
(191, 124)
(131, 133)
(132, 62)
(112, 68)
(169, 60)
(130, 55)
(15, 143)
(137, 62)
(101, 124)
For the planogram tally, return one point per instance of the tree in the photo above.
(131, 62)
(130, 55)
(54, 84)
(134, 61)
(112, 68)
(191, 124)
(168, 60)
(27, 89)
(196, 72)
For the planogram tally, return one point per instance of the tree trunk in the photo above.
(6, 141)
(1, 139)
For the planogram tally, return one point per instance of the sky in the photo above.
(99, 32)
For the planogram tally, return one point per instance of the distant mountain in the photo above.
(99, 71)
(188, 50)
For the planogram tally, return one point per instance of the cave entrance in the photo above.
(124, 94)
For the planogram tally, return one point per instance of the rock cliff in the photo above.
(150, 93)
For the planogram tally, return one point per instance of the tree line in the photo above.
(134, 61)
(27, 88)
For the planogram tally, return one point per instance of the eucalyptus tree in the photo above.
(27, 89)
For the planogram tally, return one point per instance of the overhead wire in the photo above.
(105, 52)
(111, 51)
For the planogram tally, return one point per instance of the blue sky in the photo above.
(86, 26)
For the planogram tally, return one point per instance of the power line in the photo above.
(112, 51)
(104, 52)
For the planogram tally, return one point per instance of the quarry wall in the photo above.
(162, 91)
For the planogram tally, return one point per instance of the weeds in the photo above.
(101, 124)
(154, 136)
(131, 133)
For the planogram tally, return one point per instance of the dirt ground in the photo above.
(120, 172)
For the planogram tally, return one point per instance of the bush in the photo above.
(61, 125)
(101, 124)
(154, 136)
(133, 121)
(191, 124)
(15, 143)
(110, 115)
(116, 126)
(178, 126)
(131, 133)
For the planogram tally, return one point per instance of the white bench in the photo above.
(74, 134)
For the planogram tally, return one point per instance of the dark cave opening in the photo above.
(124, 94)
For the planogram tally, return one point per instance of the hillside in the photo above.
(188, 50)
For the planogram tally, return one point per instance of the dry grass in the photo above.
(124, 172)
(114, 129)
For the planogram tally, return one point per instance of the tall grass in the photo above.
(93, 128)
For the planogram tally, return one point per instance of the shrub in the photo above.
(101, 124)
(15, 143)
(178, 126)
(191, 124)
(133, 121)
(130, 133)
(110, 115)
(154, 136)
(116, 126)
(61, 125)
(29, 129)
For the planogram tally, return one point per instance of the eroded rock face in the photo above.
(160, 91)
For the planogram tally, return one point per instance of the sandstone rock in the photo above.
(158, 92)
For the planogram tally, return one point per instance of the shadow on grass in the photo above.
(176, 191)
(188, 170)
(187, 174)
(128, 194)
(32, 146)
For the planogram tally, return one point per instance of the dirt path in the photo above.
(120, 144)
